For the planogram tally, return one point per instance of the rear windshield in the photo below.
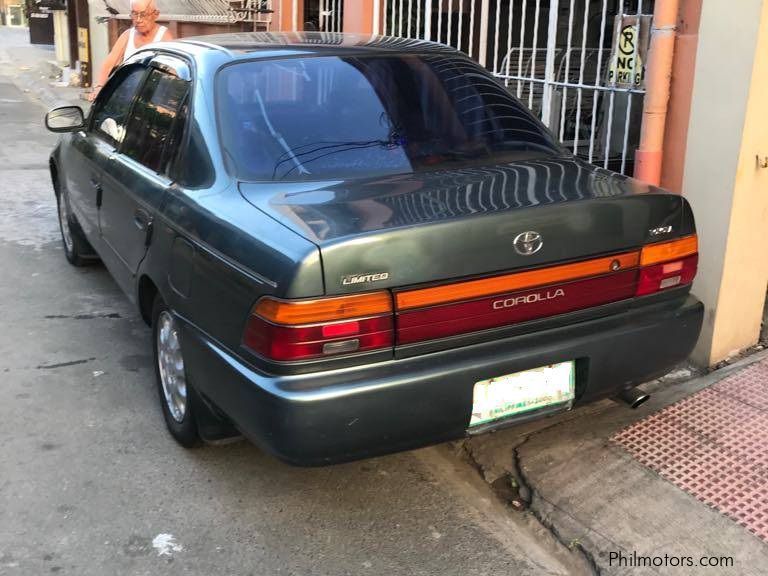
(322, 118)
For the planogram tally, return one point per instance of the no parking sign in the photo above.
(629, 50)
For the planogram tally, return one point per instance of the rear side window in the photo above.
(356, 116)
(154, 120)
(111, 110)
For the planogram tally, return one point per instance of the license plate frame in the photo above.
(522, 393)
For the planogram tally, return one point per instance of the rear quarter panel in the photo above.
(212, 258)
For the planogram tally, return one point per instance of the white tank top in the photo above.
(131, 48)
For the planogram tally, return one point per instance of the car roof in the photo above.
(267, 44)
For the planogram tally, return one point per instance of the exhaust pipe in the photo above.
(634, 397)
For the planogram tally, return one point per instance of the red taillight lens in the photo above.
(287, 330)
(664, 276)
(668, 264)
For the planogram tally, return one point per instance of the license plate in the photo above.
(522, 392)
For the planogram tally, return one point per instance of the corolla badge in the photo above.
(528, 299)
(528, 243)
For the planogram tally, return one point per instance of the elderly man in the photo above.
(145, 30)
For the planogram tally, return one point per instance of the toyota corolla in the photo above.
(350, 246)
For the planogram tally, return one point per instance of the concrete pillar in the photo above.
(681, 92)
(61, 36)
(99, 38)
(359, 16)
(289, 15)
(723, 176)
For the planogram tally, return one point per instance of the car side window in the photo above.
(110, 114)
(153, 125)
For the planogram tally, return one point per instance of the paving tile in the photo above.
(713, 445)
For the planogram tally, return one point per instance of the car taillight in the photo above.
(667, 265)
(288, 330)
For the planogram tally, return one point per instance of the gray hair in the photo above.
(147, 4)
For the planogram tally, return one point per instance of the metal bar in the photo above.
(400, 10)
(523, 19)
(626, 134)
(410, 17)
(509, 40)
(295, 15)
(472, 7)
(377, 16)
(418, 19)
(324, 16)
(629, 98)
(549, 67)
(461, 26)
(571, 84)
(535, 50)
(484, 13)
(439, 20)
(580, 93)
(608, 130)
(597, 82)
(564, 100)
(450, 22)
(393, 30)
(496, 39)
(428, 20)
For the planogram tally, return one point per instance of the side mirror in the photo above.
(65, 119)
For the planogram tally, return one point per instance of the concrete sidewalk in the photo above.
(34, 71)
(676, 477)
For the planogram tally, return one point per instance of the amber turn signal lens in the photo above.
(667, 251)
(514, 282)
(297, 312)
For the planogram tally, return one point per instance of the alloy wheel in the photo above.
(171, 366)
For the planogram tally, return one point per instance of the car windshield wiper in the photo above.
(276, 135)
(332, 147)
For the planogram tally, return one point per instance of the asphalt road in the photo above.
(91, 483)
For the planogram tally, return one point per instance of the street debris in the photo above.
(166, 545)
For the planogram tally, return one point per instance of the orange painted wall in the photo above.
(284, 15)
(679, 110)
(358, 16)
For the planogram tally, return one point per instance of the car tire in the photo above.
(77, 249)
(177, 398)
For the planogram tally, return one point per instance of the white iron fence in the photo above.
(324, 15)
(578, 64)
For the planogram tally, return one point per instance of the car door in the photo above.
(137, 179)
(90, 150)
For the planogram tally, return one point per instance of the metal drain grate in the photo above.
(714, 445)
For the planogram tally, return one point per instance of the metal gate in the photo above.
(324, 15)
(555, 55)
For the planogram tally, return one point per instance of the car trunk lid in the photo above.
(416, 229)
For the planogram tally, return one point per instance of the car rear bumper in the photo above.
(344, 414)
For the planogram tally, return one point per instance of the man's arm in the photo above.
(114, 58)
(168, 36)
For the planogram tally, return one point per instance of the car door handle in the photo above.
(141, 219)
(143, 222)
(96, 185)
